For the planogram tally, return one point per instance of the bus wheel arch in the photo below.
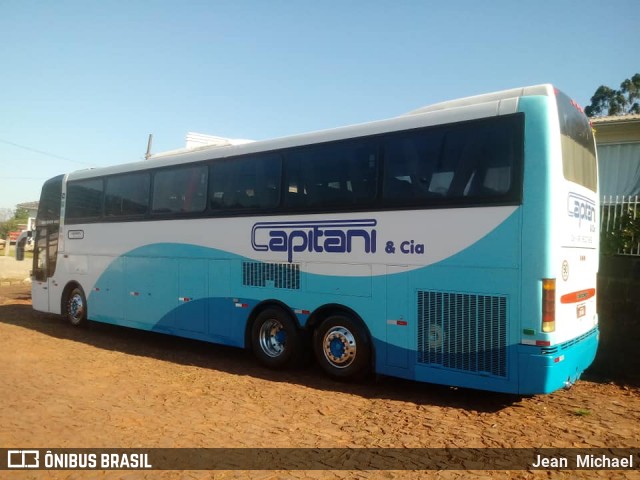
(341, 342)
(74, 306)
(274, 335)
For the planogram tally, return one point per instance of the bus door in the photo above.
(45, 252)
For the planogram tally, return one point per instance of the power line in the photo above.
(22, 178)
(41, 152)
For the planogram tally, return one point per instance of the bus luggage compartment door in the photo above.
(220, 302)
(397, 322)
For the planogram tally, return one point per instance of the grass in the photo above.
(12, 253)
(582, 412)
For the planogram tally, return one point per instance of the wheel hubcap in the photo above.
(76, 308)
(339, 347)
(273, 338)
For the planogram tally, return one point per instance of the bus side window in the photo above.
(179, 190)
(467, 158)
(127, 195)
(245, 183)
(454, 164)
(489, 162)
(480, 159)
(500, 162)
(84, 200)
(342, 174)
(412, 170)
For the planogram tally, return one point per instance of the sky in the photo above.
(84, 82)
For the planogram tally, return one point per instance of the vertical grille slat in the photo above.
(274, 275)
(464, 332)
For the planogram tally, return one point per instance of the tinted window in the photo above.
(578, 148)
(180, 190)
(334, 175)
(245, 183)
(84, 199)
(127, 195)
(468, 163)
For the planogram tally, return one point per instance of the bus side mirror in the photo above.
(20, 250)
(21, 241)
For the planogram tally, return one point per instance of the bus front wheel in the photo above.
(275, 338)
(342, 347)
(76, 307)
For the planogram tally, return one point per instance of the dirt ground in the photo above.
(107, 387)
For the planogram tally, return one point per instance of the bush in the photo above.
(624, 236)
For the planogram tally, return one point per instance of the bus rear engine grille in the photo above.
(272, 275)
(463, 332)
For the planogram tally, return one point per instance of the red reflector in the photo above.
(402, 322)
(543, 343)
(581, 296)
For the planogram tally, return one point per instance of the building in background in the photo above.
(31, 207)
(618, 144)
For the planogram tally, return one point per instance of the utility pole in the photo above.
(148, 154)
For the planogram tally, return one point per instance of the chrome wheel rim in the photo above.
(273, 338)
(75, 308)
(339, 347)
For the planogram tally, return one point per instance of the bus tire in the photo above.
(342, 347)
(275, 338)
(76, 307)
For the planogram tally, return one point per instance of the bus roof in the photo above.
(544, 89)
(469, 108)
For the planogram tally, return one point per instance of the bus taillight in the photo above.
(549, 305)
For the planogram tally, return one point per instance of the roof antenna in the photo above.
(149, 142)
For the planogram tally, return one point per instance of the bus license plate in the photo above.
(582, 311)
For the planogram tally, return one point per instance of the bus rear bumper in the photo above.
(546, 369)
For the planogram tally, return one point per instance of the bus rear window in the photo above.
(578, 148)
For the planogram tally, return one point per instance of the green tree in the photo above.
(20, 216)
(625, 100)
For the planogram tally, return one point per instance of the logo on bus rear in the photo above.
(332, 236)
(581, 208)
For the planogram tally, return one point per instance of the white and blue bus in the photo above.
(456, 244)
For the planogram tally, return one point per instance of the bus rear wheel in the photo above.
(342, 347)
(275, 338)
(76, 307)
